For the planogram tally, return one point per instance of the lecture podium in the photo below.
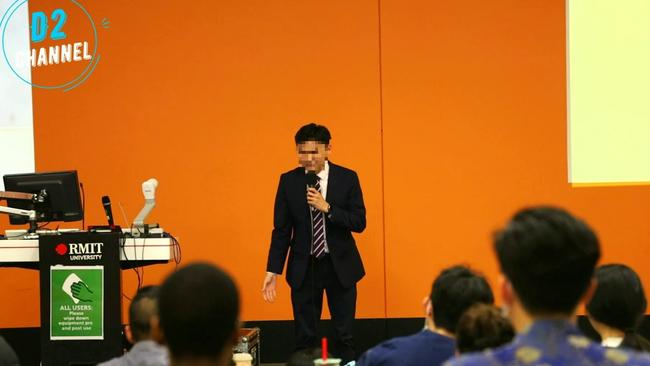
(80, 289)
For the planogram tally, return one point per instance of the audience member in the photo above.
(143, 311)
(199, 316)
(548, 258)
(454, 291)
(481, 327)
(617, 307)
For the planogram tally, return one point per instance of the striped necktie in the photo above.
(318, 228)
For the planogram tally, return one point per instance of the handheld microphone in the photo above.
(312, 178)
(106, 202)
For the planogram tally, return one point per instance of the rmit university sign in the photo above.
(85, 251)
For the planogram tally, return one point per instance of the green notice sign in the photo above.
(76, 302)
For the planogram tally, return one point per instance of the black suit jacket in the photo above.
(292, 225)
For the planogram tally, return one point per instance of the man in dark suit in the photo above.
(317, 207)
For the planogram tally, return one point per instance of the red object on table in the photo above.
(324, 348)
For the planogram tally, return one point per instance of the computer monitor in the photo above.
(62, 201)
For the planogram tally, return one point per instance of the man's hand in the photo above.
(268, 287)
(315, 199)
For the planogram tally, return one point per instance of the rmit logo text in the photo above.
(86, 248)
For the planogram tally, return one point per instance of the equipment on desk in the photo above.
(94, 258)
(139, 228)
(108, 211)
(23, 234)
(30, 214)
(42, 197)
(106, 202)
(55, 196)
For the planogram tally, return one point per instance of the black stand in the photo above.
(81, 298)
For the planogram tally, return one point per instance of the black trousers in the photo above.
(307, 304)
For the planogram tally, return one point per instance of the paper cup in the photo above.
(329, 361)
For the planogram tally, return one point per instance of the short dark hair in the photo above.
(619, 300)
(454, 291)
(141, 311)
(548, 255)
(481, 327)
(199, 311)
(313, 132)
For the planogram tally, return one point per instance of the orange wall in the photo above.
(474, 110)
(461, 121)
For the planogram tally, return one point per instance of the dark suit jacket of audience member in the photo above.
(423, 348)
